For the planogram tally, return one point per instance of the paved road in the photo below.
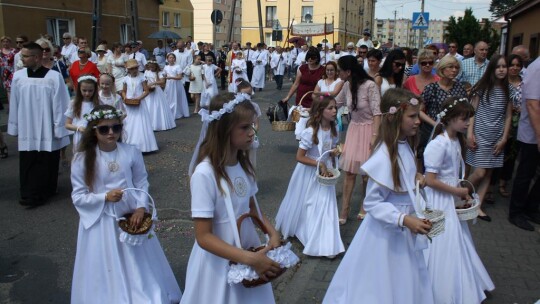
(37, 247)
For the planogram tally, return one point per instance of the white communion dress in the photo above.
(384, 263)
(160, 112)
(106, 269)
(457, 273)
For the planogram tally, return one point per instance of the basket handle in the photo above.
(151, 204)
(304, 96)
(464, 180)
(320, 158)
(256, 221)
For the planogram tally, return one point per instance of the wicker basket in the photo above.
(297, 113)
(327, 181)
(257, 222)
(436, 217)
(132, 102)
(472, 212)
(281, 125)
(147, 222)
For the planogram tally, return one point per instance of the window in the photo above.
(165, 17)
(219, 29)
(533, 45)
(271, 15)
(517, 40)
(177, 20)
(307, 14)
(268, 38)
(125, 33)
(57, 27)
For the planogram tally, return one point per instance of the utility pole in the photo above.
(229, 38)
(96, 23)
(261, 34)
(288, 22)
(394, 32)
(421, 32)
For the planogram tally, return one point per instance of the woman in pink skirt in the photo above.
(361, 95)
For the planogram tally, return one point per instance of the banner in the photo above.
(311, 29)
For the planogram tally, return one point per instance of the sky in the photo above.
(438, 9)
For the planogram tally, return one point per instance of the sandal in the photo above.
(503, 192)
(360, 216)
(4, 152)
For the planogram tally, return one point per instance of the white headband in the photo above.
(87, 77)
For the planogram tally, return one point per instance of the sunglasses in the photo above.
(452, 46)
(81, 51)
(330, 70)
(19, 42)
(312, 58)
(66, 38)
(398, 64)
(104, 130)
(426, 63)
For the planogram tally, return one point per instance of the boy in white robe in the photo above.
(278, 63)
(39, 98)
(259, 59)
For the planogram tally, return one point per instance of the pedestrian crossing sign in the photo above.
(420, 21)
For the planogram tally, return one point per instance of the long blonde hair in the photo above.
(217, 142)
(390, 127)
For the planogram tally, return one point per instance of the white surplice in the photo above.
(36, 114)
(259, 59)
(107, 270)
(278, 63)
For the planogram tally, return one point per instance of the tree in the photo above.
(467, 29)
(499, 7)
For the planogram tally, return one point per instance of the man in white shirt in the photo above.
(278, 63)
(334, 56)
(68, 49)
(293, 54)
(39, 99)
(160, 53)
(247, 56)
(350, 50)
(325, 53)
(82, 44)
(141, 59)
(184, 58)
(366, 40)
(259, 59)
(301, 58)
(19, 41)
(452, 51)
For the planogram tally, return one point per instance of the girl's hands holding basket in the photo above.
(416, 225)
(114, 195)
(421, 179)
(263, 265)
(462, 192)
(136, 219)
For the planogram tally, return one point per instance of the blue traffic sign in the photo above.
(420, 21)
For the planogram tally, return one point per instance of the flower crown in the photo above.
(443, 112)
(103, 114)
(228, 107)
(400, 105)
(87, 77)
(151, 61)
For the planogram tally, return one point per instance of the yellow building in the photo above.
(176, 16)
(223, 33)
(350, 18)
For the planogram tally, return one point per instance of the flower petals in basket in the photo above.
(282, 255)
(468, 209)
(145, 226)
(248, 276)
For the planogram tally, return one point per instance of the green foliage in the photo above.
(467, 29)
(499, 7)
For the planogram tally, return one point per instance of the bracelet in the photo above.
(106, 197)
(401, 219)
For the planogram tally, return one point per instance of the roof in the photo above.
(520, 7)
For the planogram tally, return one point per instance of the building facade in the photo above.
(349, 18)
(119, 20)
(400, 32)
(521, 28)
(229, 28)
(176, 16)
